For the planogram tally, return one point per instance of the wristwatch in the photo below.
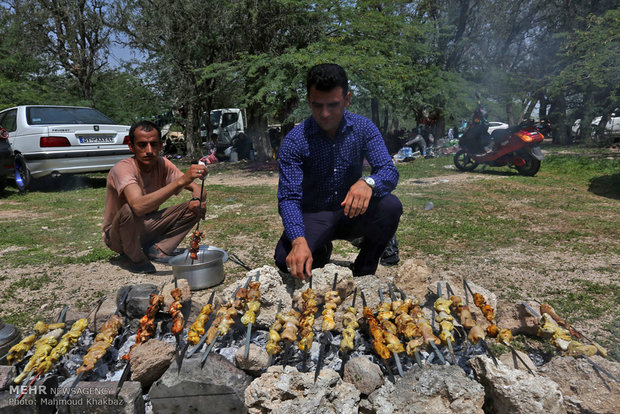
(370, 181)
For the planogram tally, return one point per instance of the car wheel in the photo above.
(22, 173)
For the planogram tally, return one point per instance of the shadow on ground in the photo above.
(606, 186)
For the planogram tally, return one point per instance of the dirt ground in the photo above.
(500, 270)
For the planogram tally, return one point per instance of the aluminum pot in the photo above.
(206, 271)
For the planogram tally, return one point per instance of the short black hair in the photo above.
(327, 76)
(144, 125)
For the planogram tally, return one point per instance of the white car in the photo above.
(496, 125)
(64, 139)
(612, 128)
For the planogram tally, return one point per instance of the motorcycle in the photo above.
(517, 146)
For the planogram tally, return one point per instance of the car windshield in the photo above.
(42, 115)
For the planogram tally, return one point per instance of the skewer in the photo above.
(468, 288)
(394, 354)
(249, 332)
(323, 340)
(186, 346)
(233, 257)
(304, 358)
(465, 291)
(345, 355)
(207, 326)
(212, 344)
(597, 366)
(279, 309)
(485, 344)
(81, 374)
(435, 349)
(448, 340)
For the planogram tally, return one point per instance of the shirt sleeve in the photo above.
(290, 189)
(383, 170)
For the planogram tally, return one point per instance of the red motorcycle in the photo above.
(516, 146)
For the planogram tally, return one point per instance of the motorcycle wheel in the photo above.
(463, 161)
(531, 166)
(22, 173)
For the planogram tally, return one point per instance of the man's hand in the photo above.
(357, 199)
(299, 260)
(193, 205)
(195, 171)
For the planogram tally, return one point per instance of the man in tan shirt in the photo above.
(136, 187)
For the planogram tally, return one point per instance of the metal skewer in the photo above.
(186, 347)
(448, 340)
(324, 342)
(212, 344)
(394, 354)
(345, 355)
(249, 332)
(81, 374)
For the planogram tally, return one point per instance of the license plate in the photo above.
(96, 139)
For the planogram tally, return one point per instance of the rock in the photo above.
(98, 398)
(150, 360)
(514, 391)
(256, 361)
(73, 316)
(364, 374)
(272, 289)
(513, 362)
(186, 297)
(517, 319)
(219, 387)
(101, 312)
(291, 391)
(414, 277)
(138, 300)
(7, 374)
(434, 389)
(585, 389)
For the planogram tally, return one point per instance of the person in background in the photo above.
(322, 195)
(136, 187)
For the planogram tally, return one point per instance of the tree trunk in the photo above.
(557, 115)
(192, 125)
(374, 107)
(510, 114)
(527, 114)
(385, 118)
(257, 127)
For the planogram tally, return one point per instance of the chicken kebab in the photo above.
(252, 305)
(349, 326)
(385, 315)
(306, 322)
(19, 350)
(406, 326)
(332, 300)
(442, 307)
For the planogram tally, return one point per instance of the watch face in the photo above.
(370, 181)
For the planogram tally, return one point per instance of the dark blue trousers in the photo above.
(376, 226)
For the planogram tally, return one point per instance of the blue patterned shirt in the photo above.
(316, 171)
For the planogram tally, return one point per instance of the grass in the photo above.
(571, 207)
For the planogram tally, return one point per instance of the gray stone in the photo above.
(517, 319)
(217, 388)
(98, 398)
(150, 360)
(255, 362)
(513, 362)
(585, 388)
(434, 389)
(7, 374)
(290, 391)
(138, 300)
(364, 374)
(515, 391)
(414, 278)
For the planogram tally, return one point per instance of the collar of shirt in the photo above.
(316, 131)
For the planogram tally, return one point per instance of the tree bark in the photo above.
(374, 107)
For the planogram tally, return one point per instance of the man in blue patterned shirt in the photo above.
(322, 195)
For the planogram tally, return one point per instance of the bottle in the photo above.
(429, 205)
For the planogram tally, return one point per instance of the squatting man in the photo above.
(137, 186)
(322, 195)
